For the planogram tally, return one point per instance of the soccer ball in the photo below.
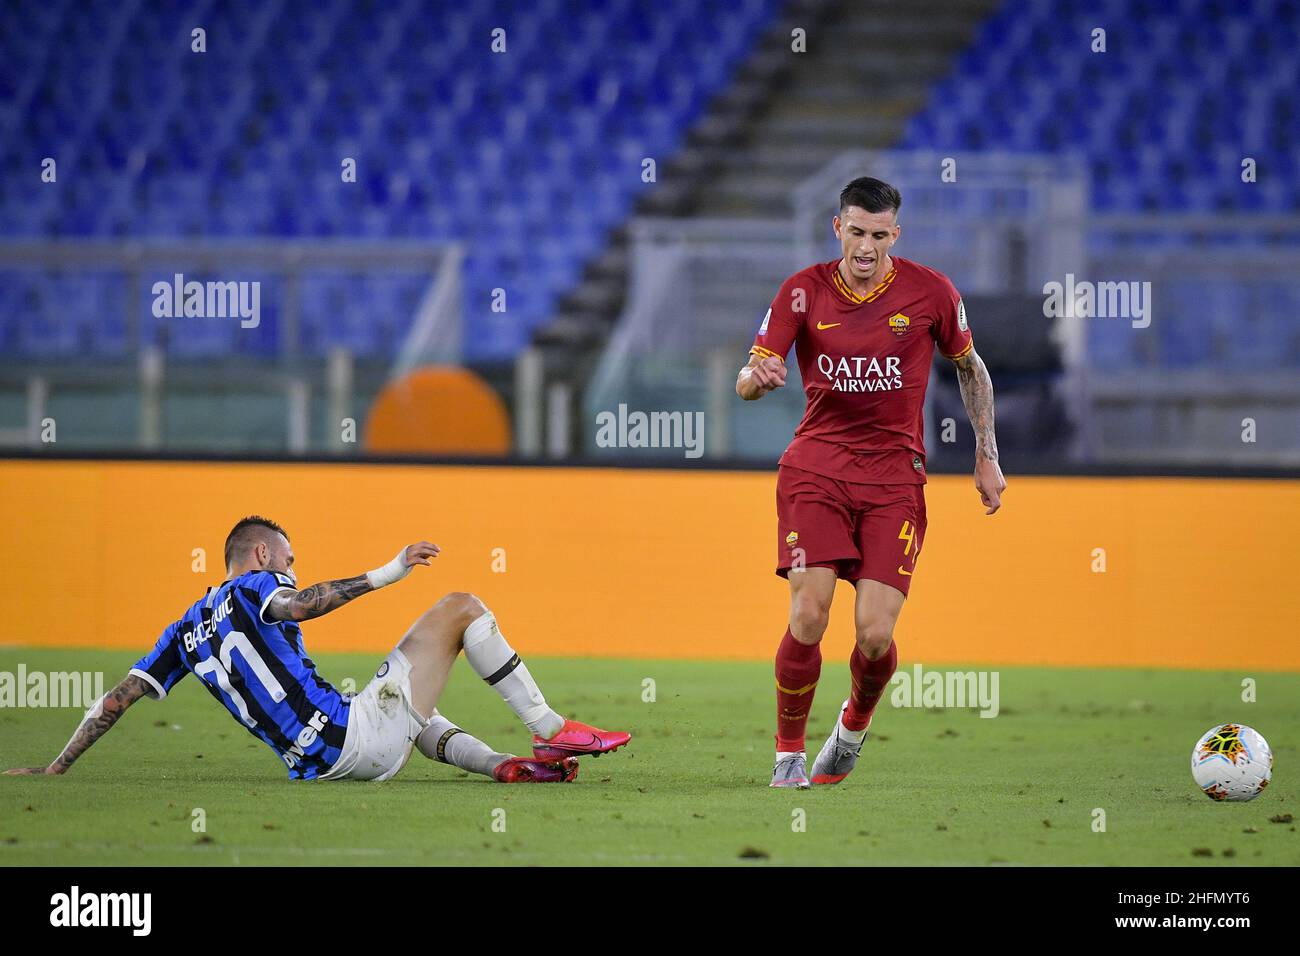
(1232, 762)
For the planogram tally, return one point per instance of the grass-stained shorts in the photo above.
(382, 726)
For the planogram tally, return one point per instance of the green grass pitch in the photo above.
(933, 786)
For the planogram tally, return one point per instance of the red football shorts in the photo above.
(863, 531)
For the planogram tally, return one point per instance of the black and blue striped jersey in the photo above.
(257, 669)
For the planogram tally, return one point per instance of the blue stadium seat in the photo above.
(1163, 118)
(246, 140)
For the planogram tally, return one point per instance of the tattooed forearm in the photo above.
(316, 600)
(99, 719)
(977, 395)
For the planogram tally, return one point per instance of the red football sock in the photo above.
(869, 681)
(797, 668)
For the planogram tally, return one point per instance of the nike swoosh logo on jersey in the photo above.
(823, 328)
(904, 573)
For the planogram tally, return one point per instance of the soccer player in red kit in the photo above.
(850, 499)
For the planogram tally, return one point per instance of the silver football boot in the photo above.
(837, 756)
(791, 771)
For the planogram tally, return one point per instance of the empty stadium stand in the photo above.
(530, 151)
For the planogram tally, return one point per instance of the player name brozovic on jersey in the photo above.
(257, 669)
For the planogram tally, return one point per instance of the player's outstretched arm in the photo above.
(97, 722)
(327, 596)
(977, 395)
(759, 377)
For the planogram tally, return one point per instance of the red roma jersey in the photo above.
(865, 362)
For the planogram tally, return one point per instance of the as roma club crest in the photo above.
(899, 323)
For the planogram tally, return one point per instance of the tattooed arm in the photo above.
(97, 722)
(316, 600)
(977, 395)
(289, 605)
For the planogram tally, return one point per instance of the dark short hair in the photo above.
(245, 534)
(873, 195)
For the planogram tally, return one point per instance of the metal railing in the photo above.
(1008, 224)
(152, 388)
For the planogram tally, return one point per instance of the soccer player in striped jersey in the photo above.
(244, 642)
(850, 489)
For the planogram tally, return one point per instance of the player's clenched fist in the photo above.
(990, 484)
(769, 373)
(761, 377)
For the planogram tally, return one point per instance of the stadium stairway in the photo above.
(866, 71)
(588, 312)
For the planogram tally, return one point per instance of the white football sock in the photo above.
(496, 662)
(443, 741)
(854, 737)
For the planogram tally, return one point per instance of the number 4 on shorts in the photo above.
(908, 534)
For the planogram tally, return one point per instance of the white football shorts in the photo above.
(382, 725)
